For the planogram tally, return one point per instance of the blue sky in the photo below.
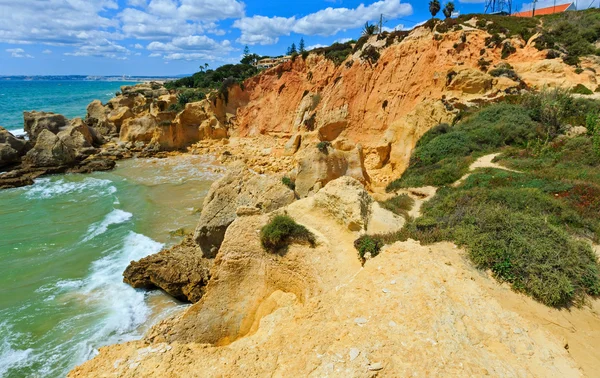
(170, 37)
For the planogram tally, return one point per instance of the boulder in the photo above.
(77, 135)
(347, 201)
(180, 271)
(11, 148)
(292, 145)
(96, 111)
(139, 129)
(239, 187)
(316, 169)
(36, 122)
(119, 115)
(49, 151)
(471, 81)
(199, 121)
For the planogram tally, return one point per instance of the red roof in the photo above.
(543, 11)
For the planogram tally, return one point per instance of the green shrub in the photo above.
(324, 147)
(483, 64)
(213, 79)
(581, 89)
(288, 182)
(506, 72)
(368, 244)
(512, 226)
(337, 53)
(400, 205)
(578, 70)
(507, 50)
(370, 54)
(283, 230)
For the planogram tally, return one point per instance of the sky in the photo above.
(174, 37)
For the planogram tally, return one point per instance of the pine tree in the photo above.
(302, 47)
(293, 49)
(246, 51)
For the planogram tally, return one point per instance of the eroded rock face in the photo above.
(36, 122)
(49, 151)
(11, 148)
(181, 271)
(239, 187)
(346, 200)
(139, 129)
(316, 169)
(471, 81)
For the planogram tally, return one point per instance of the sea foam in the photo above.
(114, 217)
(45, 188)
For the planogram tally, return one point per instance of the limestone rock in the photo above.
(49, 151)
(11, 148)
(96, 111)
(292, 145)
(119, 115)
(199, 120)
(181, 271)
(471, 81)
(346, 200)
(77, 135)
(316, 169)
(239, 187)
(36, 122)
(139, 129)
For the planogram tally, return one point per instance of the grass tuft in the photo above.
(283, 230)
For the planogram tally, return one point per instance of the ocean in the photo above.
(66, 240)
(67, 97)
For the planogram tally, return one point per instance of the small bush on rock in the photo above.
(323, 147)
(283, 230)
(288, 182)
(581, 89)
(368, 244)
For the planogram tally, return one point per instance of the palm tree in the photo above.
(434, 7)
(369, 29)
(448, 9)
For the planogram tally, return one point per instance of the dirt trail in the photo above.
(486, 161)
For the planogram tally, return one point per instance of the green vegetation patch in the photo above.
(573, 33)
(288, 182)
(530, 228)
(368, 244)
(186, 96)
(581, 89)
(444, 153)
(283, 230)
(215, 79)
(400, 205)
(337, 53)
(511, 224)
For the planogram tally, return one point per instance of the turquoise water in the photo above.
(66, 240)
(64, 244)
(69, 98)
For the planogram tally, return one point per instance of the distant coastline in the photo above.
(87, 78)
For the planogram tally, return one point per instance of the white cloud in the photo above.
(55, 22)
(263, 30)
(329, 21)
(137, 3)
(211, 9)
(102, 49)
(138, 46)
(317, 46)
(191, 47)
(18, 53)
(47, 52)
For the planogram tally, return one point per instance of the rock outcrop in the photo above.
(413, 310)
(181, 271)
(11, 148)
(317, 168)
(239, 187)
(36, 122)
(49, 151)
